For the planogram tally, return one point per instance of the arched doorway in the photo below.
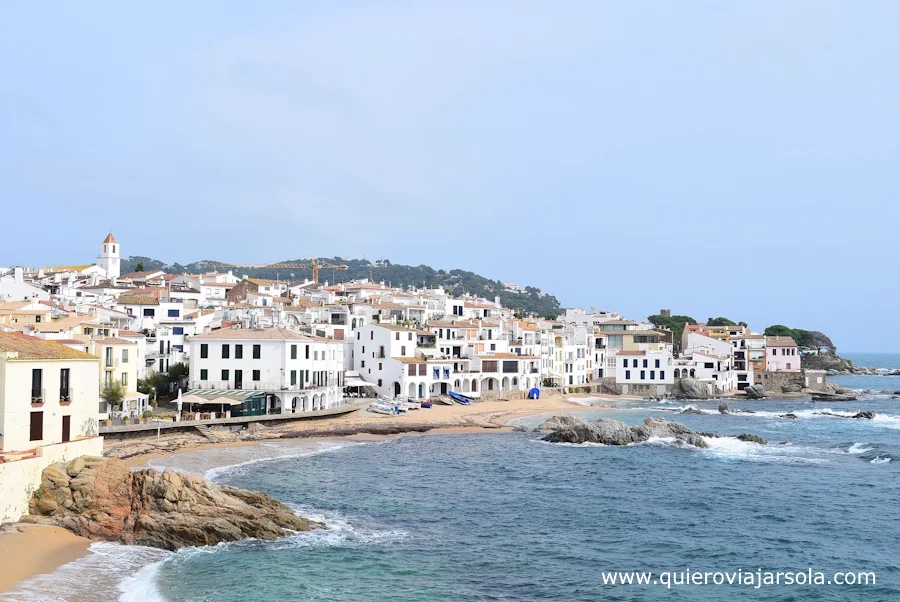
(306, 405)
(466, 387)
(397, 389)
(677, 373)
(474, 386)
(411, 391)
(515, 382)
(295, 403)
(692, 373)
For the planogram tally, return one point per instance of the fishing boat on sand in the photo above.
(460, 399)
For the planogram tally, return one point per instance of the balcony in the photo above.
(37, 397)
(111, 363)
(65, 396)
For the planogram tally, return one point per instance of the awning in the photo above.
(356, 382)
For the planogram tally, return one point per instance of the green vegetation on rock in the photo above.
(673, 323)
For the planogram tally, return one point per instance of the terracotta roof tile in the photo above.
(33, 348)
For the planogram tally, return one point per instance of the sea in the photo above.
(508, 517)
(883, 361)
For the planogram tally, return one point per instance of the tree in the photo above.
(779, 330)
(673, 323)
(139, 267)
(178, 371)
(720, 321)
(113, 394)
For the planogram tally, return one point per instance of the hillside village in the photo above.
(108, 342)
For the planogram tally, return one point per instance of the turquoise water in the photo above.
(507, 517)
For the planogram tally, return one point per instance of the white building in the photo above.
(385, 356)
(109, 257)
(297, 372)
(49, 398)
(645, 371)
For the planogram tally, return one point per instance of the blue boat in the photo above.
(460, 399)
(426, 404)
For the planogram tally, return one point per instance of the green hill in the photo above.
(530, 300)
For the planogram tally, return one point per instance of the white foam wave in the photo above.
(732, 448)
(340, 531)
(565, 444)
(681, 409)
(97, 576)
(879, 460)
(859, 448)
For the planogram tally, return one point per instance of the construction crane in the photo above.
(313, 265)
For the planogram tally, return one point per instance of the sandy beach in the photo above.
(30, 550)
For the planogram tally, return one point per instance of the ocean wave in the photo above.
(859, 448)
(880, 460)
(732, 448)
(98, 576)
(680, 408)
(586, 444)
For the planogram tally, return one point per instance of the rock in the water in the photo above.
(789, 415)
(756, 391)
(101, 498)
(835, 397)
(690, 388)
(865, 415)
(843, 391)
(555, 422)
(691, 410)
(752, 439)
(723, 408)
(613, 432)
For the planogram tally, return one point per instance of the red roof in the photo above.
(110, 238)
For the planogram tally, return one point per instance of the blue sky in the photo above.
(716, 158)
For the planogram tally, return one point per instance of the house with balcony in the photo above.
(292, 371)
(119, 363)
(48, 413)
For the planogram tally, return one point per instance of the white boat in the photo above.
(414, 405)
(381, 408)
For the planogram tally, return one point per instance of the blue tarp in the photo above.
(534, 394)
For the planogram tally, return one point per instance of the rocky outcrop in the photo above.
(556, 422)
(101, 498)
(792, 388)
(834, 397)
(789, 415)
(691, 410)
(724, 409)
(752, 439)
(865, 415)
(756, 391)
(613, 432)
(690, 388)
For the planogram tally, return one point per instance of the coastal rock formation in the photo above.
(752, 439)
(690, 388)
(556, 422)
(724, 409)
(865, 415)
(789, 415)
(613, 432)
(101, 498)
(691, 410)
(756, 391)
(792, 388)
(833, 397)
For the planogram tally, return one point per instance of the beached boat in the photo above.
(460, 399)
(414, 405)
(425, 404)
(381, 408)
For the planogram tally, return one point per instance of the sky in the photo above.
(739, 159)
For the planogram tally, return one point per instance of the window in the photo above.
(624, 363)
(403, 350)
(379, 382)
(643, 375)
(357, 336)
(109, 359)
(257, 352)
(37, 319)
(226, 353)
(645, 363)
(204, 351)
(362, 364)
(64, 383)
(788, 365)
(653, 375)
(316, 355)
(409, 338)
(307, 352)
(628, 375)
(380, 366)
(493, 347)
(204, 374)
(293, 378)
(657, 363)
(256, 375)
(125, 378)
(422, 369)
(173, 313)
(372, 336)
(662, 375)
(178, 330)
(412, 369)
(37, 384)
(225, 375)
(294, 352)
(238, 352)
(107, 379)
(634, 363)
(125, 356)
(149, 312)
(36, 429)
(709, 365)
